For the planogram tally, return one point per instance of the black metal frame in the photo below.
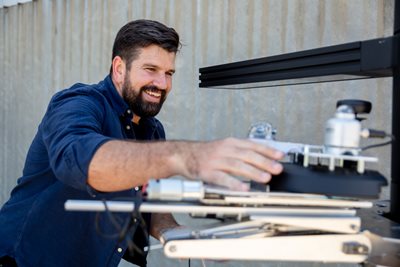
(374, 58)
(395, 166)
(365, 59)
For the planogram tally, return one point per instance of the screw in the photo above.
(361, 249)
(172, 249)
(354, 227)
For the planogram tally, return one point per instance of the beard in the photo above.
(136, 102)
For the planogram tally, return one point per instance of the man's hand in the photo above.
(218, 162)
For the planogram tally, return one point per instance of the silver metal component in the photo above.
(174, 190)
(212, 195)
(343, 132)
(354, 248)
(364, 133)
(96, 205)
(342, 138)
(127, 206)
(286, 147)
(262, 130)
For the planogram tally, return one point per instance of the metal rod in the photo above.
(126, 206)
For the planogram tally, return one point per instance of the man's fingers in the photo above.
(261, 149)
(260, 161)
(225, 180)
(241, 168)
(220, 161)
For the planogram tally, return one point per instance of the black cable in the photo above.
(377, 133)
(125, 230)
(135, 222)
(113, 220)
(380, 144)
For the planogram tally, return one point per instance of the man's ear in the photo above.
(118, 70)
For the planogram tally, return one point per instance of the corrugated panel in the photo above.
(49, 45)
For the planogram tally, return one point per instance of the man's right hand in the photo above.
(219, 162)
(121, 165)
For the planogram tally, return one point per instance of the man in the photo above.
(90, 145)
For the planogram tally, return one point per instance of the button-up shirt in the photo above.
(34, 227)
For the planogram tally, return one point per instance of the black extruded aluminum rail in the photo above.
(365, 59)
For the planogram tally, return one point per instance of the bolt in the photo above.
(361, 249)
(354, 227)
(172, 249)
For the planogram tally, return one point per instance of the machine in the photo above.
(310, 213)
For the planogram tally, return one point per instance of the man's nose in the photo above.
(161, 81)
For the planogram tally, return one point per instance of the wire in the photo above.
(392, 139)
(126, 230)
(114, 221)
(137, 221)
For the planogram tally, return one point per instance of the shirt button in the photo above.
(136, 188)
(128, 127)
(129, 111)
(119, 250)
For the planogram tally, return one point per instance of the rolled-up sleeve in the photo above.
(72, 132)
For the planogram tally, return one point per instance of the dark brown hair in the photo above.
(143, 33)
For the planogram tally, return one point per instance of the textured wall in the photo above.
(48, 45)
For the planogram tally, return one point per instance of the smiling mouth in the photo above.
(153, 93)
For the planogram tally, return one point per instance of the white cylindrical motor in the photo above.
(342, 133)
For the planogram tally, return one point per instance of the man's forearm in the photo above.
(121, 165)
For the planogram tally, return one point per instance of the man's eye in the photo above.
(170, 73)
(151, 69)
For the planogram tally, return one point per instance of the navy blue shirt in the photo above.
(34, 227)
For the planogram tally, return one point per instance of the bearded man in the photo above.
(103, 141)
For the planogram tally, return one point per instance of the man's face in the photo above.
(149, 80)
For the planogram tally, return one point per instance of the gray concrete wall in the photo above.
(46, 46)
